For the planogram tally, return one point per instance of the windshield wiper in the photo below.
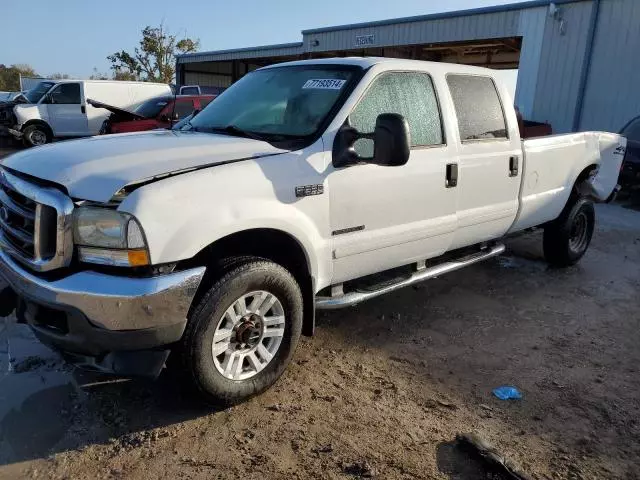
(238, 132)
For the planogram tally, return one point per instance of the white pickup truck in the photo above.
(307, 185)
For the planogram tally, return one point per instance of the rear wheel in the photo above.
(35, 135)
(567, 238)
(243, 333)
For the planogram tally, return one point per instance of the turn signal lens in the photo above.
(138, 258)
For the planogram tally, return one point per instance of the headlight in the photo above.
(109, 237)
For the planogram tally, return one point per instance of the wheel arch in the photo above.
(580, 186)
(269, 243)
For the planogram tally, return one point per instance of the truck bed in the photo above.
(551, 166)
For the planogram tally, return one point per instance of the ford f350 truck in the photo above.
(308, 185)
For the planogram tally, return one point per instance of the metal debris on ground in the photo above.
(491, 456)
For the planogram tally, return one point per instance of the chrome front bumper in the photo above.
(110, 302)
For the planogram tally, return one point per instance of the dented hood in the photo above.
(122, 112)
(96, 168)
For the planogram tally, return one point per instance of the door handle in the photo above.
(83, 109)
(452, 175)
(513, 166)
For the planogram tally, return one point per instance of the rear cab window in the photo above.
(478, 108)
(184, 107)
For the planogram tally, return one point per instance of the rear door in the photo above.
(489, 160)
(66, 111)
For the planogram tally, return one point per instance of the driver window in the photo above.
(410, 94)
(65, 94)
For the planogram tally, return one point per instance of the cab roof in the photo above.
(391, 63)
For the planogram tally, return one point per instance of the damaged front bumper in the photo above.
(17, 134)
(114, 324)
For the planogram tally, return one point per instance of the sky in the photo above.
(75, 36)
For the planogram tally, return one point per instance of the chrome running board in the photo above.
(353, 298)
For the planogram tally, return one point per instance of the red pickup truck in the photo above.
(158, 112)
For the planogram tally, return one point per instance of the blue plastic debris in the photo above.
(507, 393)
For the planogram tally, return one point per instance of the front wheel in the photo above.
(567, 238)
(243, 332)
(35, 135)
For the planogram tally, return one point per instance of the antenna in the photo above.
(173, 107)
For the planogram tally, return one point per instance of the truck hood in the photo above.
(96, 168)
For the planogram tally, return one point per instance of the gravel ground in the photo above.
(381, 391)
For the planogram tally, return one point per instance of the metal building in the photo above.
(575, 57)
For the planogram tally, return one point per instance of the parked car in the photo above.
(61, 108)
(630, 172)
(307, 185)
(157, 112)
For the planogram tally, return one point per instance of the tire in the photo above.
(567, 238)
(234, 369)
(35, 135)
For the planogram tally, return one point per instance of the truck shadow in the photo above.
(55, 411)
(457, 464)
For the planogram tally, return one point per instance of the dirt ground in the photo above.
(381, 391)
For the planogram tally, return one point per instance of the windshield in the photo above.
(151, 108)
(288, 102)
(35, 94)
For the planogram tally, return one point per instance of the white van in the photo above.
(63, 110)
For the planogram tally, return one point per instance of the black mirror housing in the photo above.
(392, 143)
(391, 140)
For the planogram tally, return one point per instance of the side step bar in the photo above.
(353, 298)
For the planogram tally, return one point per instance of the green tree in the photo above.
(10, 76)
(154, 59)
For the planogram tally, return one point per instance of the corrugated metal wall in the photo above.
(491, 25)
(612, 96)
(531, 28)
(560, 67)
(259, 52)
(206, 79)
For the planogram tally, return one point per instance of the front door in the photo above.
(67, 115)
(382, 217)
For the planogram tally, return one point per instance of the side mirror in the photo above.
(391, 140)
(164, 118)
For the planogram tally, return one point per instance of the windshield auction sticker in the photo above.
(324, 84)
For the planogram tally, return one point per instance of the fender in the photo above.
(203, 206)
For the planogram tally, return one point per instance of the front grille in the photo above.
(17, 220)
(34, 223)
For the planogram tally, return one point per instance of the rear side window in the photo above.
(410, 94)
(478, 107)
